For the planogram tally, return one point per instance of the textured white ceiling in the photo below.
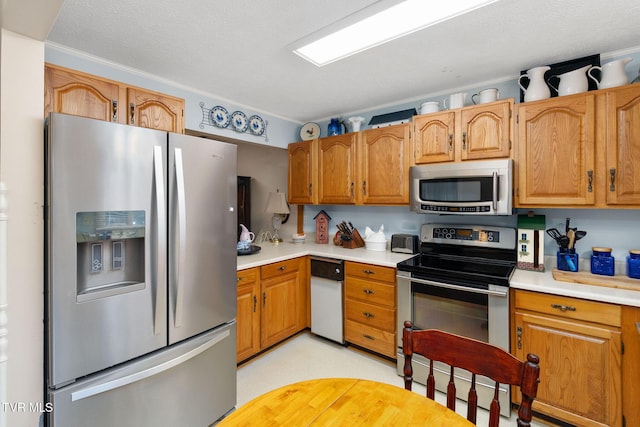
(237, 49)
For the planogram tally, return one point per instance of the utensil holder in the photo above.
(567, 260)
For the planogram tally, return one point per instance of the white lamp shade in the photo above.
(276, 203)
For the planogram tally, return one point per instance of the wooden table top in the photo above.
(343, 401)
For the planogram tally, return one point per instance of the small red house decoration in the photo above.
(322, 227)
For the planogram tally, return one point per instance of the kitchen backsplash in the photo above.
(618, 229)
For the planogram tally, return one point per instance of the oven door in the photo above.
(482, 314)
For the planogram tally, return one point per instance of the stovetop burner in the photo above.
(470, 255)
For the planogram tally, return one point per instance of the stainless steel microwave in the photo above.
(482, 187)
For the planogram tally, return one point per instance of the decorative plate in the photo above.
(256, 125)
(309, 131)
(219, 116)
(239, 121)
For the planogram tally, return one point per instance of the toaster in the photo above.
(404, 243)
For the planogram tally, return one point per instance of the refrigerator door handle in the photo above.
(182, 237)
(159, 310)
(149, 372)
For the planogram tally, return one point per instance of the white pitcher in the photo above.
(573, 81)
(456, 100)
(537, 88)
(612, 74)
(486, 95)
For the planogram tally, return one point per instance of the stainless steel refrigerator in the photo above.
(141, 276)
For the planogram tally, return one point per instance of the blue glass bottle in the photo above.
(334, 128)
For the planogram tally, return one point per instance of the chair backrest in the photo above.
(477, 357)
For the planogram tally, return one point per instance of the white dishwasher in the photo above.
(327, 278)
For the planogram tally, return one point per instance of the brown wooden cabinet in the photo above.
(337, 169)
(579, 345)
(248, 314)
(302, 177)
(556, 147)
(273, 304)
(284, 300)
(631, 365)
(81, 94)
(370, 307)
(471, 133)
(368, 167)
(580, 150)
(621, 173)
(384, 158)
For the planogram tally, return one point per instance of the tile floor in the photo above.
(307, 356)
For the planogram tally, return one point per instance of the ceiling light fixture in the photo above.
(379, 23)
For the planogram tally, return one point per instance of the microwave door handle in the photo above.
(162, 236)
(495, 191)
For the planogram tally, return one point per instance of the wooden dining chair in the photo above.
(477, 357)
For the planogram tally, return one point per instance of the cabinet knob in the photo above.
(590, 178)
(132, 109)
(114, 110)
(464, 140)
(282, 268)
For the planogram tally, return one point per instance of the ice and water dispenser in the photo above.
(110, 253)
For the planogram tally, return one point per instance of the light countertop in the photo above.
(273, 253)
(521, 279)
(544, 282)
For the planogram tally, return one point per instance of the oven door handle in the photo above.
(502, 294)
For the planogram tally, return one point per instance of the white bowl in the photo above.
(378, 245)
(298, 238)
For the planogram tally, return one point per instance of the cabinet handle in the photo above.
(369, 291)
(255, 303)
(238, 279)
(368, 272)
(132, 109)
(352, 187)
(282, 268)
(310, 190)
(464, 140)
(264, 299)
(114, 110)
(368, 315)
(612, 177)
(369, 337)
(519, 334)
(450, 142)
(590, 186)
(364, 187)
(563, 308)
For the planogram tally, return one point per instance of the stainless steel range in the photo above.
(459, 283)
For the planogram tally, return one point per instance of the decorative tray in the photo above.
(253, 250)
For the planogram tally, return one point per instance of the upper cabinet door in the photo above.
(337, 169)
(623, 146)
(80, 94)
(154, 110)
(556, 140)
(302, 172)
(434, 138)
(486, 131)
(384, 160)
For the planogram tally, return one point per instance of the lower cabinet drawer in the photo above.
(371, 315)
(374, 339)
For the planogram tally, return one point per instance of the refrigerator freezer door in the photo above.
(106, 279)
(190, 384)
(202, 235)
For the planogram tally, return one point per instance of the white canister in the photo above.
(485, 95)
(455, 100)
(429, 107)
